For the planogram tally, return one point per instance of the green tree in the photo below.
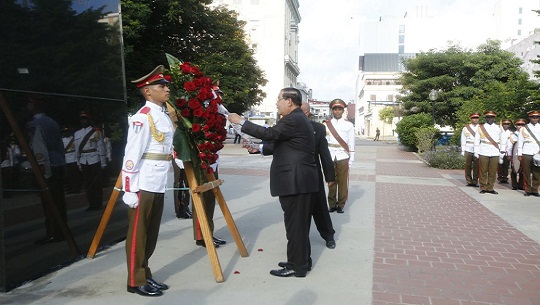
(487, 79)
(189, 30)
(409, 125)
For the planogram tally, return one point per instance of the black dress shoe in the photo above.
(331, 244)
(514, 188)
(203, 244)
(48, 239)
(146, 290)
(527, 194)
(184, 215)
(535, 194)
(333, 209)
(287, 272)
(483, 191)
(218, 241)
(284, 265)
(157, 285)
(340, 210)
(493, 192)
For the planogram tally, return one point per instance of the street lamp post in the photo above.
(433, 97)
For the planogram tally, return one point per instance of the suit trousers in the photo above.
(93, 184)
(209, 205)
(321, 216)
(471, 168)
(531, 174)
(339, 191)
(55, 183)
(297, 210)
(141, 239)
(488, 172)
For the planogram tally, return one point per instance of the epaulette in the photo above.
(145, 110)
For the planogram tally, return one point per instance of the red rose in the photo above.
(198, 112)
(190, 86)
(202, 156)
(186, 68)
(185, 112)
(204, 165)
(196, 128)
(181, 102)
(194, 103)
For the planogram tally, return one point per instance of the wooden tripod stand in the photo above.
(196, 190)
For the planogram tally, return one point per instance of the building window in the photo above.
(401, 39)
(519, 21)
(520, 10)
(519, 32)
(401, 49)
(402, 29)
(390, 98)
(373, 97)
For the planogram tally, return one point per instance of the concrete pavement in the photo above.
(395, 202)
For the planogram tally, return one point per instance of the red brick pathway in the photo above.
(436, 245)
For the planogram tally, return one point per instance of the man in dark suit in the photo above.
(293, 175)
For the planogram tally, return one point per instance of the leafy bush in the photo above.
(407, 127)
(445, 157)
(426, 137)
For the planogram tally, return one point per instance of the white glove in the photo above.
(350, 163)
(476, 155)
(179, 163)
(131, 199)
(463, 153)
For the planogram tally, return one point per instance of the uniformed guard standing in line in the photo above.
(527, 147)
(91, 158)
(340, 137)
(467, 150)
(504, 163)
(146, 162)
(516, 175)
(487, 150)
(73, 173)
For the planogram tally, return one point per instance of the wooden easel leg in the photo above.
(203, 221)
(228, 218)
(105, 218)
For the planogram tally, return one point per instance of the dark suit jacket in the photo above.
(293, 170)
(322, 154)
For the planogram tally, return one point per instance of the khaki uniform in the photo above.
(467, 149)
(527, 147)
(339, 191)
(488, 154)
(146, 163)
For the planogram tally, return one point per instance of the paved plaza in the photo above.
(410, 234)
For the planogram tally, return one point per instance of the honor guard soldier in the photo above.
(504, 163)
(340, 137)
(527, 147)
(146, 162)
(91, 159)
(467, 150)
(516, 175)
(487, 150)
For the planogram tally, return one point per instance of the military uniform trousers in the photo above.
(297, 210)
(321, 216)
(181, 197)
(339, 191)
(93, 184)
(209, 205)
(74, 177)
(502, 173)
(531, 174)
(471, 168)
(488, 172)
(141, 239)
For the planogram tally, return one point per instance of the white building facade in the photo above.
(272, 31)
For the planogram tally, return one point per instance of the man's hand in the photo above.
(179, 163)
(330, 183)
(235, 118)
(520, 158)
(131, 199)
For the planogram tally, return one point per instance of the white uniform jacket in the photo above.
(149, 174)
(482, 146)
(345, 129)
(93, 150)
(69, 149)
(505, 135)
(512, 139)
(526, 143)
(467, 138)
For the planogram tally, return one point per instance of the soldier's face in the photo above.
(337, 112)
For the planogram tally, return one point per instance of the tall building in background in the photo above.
(272, 31)
(515, 20)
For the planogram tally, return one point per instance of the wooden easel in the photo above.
(196, 191)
